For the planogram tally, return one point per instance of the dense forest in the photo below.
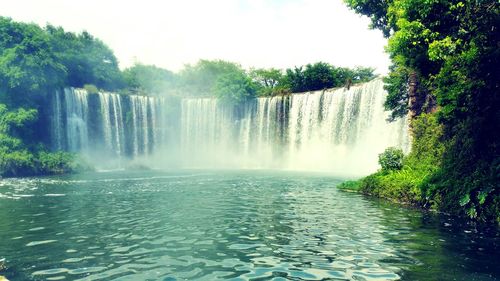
(445, 73)
(36, 61)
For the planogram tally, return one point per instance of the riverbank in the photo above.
(420, 180)
(24, 163)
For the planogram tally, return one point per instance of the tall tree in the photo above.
(87, 59)
(28, 65)
(447, 51)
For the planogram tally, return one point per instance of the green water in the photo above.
(239, 225)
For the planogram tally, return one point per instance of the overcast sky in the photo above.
(254, 33)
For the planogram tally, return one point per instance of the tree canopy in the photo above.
(446, 53)
(149, 79)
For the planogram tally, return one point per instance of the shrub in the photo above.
(55, 163)
(350, 185)
(391, 159)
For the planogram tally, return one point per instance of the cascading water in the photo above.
(337, 130)
(112, 122)
(106, 125)
(57, 134)
(77, 113)
(342, 130)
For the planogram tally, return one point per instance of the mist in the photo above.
(340, 131)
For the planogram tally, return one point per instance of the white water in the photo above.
(105, 125)
(339, 130)
(77, 114)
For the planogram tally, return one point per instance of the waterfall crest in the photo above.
(336, 130)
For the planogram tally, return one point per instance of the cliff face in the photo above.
(420, 100)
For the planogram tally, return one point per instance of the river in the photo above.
(220, 225)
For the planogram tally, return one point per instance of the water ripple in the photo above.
(210, 226)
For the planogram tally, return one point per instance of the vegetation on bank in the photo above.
(445, 74)
(19, 156)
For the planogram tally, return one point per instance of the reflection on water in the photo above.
(250, 225)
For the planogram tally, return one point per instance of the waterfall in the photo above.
(77, 113)
(336, 130)
(342, 130)
(145, 119)
(119, 128)
(112, 122)
(206, 129)
(106, 126)
(106, 120)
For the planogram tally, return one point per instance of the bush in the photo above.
(350, 185)
(234, 88)
(391, 159)
(91, 89)
(50, 163)
(16, 163)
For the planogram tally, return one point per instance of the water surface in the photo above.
(239, 225)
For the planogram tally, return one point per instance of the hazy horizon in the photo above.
(280, 34)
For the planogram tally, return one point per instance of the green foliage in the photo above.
(91, 89)
(350, 186)
(391, 159)
(410, 181)
(22, 158)
(149, 79)
(22, 162)
(234, 88)
(59, 163)
(396, 84)
(35, 61)
(294, 80)
(452, 47)
(321, 75)
(28, 66)
(376, 10)
(318, 76)
(16, 163)
(87, 60)
(200, 79)
(270, 82)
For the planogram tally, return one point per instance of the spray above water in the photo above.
(340, 131)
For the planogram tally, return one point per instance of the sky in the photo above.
(254, 33)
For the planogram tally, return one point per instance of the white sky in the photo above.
(254, 33)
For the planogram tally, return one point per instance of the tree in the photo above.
(28, 67)
(447, 52)
(319, 76)
(294, 80)
(150, 79)
(234, 88)
(270, 81)
(199, 79)
(87, 59)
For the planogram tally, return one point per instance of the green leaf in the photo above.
(465, 200)
(481, 197)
